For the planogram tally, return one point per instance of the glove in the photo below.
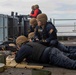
(43, 41)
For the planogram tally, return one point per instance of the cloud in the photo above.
(68, 2)
(53, 8)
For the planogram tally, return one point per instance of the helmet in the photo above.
(31, 35)
(21, 39)
(32, 7)
(42, 17)
(36, 6)
(33, 21)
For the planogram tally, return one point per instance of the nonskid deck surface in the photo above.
(54, 70)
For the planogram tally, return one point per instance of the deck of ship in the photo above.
(54, 70)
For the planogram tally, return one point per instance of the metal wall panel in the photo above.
(26, 27)
(3, 28)
(8, 27)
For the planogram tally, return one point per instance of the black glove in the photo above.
(44, 42)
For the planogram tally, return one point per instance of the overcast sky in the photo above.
(53, 8)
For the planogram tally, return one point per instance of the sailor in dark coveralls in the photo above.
(45, 31)
(46, 34)
(33, 24)
(38, 53)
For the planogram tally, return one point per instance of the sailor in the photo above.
(38, 53)
(36, 11)
(31, 36)
(45, 31)
(33, 24)
(32, 12)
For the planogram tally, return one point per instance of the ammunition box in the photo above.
(40, 72)
(2, 58)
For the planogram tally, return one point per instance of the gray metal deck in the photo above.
(54, 70)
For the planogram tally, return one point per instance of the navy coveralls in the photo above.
(49, 55)
(51, 39)
(45, 34)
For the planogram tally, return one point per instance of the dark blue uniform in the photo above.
(51, 38)
(46, 34)
(48, 55)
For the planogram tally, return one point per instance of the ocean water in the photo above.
(66, 29)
